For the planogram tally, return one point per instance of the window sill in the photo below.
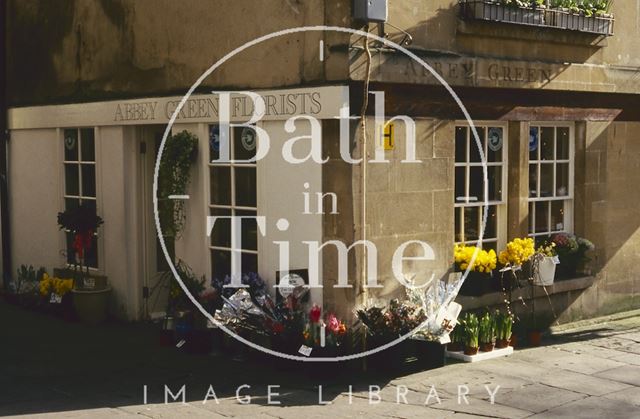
(497, 298)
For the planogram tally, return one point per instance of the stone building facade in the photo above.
(118, 69)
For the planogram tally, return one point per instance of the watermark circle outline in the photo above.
(250, 44)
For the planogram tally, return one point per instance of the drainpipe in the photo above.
(4, 143)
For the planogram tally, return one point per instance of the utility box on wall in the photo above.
(370, 10)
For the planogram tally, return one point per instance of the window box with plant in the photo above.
(572, 252)
(510, 11)
(480, 264)
(592, 16)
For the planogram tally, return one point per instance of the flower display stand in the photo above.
(480, 356)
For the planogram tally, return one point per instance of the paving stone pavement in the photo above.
(55, 369)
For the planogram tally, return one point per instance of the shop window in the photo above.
(233, 192)
(470, 189)
(550, 179)
(80, 183)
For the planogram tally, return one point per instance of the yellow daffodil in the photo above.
(518, 251)
(485, 261)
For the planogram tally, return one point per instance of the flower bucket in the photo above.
(470, 351)
(486, 347)
(430, 355)
(535, 338)
(502, 343)
(91, 306)
(546, 272)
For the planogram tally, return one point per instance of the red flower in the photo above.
(314, 314)
(333, 324)
(277, 328)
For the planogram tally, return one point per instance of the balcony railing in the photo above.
(553, 18)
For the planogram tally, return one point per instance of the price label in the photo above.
(55, 298)
(305, 350)
(89, 283)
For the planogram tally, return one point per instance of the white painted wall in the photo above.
(280, 195)
(35, 198)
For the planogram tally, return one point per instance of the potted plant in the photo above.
(544, 264)
(457, 338)
(486, 332)
(471, 334)
(23, 289)
(514, 259)
(504, 324)
(480, 264)
(572, 253)
(89, 298)
(385, 323)
(55, 295)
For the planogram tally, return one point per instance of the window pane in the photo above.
(87, 146)
(490, 245)
(249, 231)
(71, 253)
(557, 215)
(245, 186)
(71, 145)
(91, 254)
(562, 144)
(533, 180)
(494, 175)
(214, 142)
(476, 184)
(458, 236)
(542, 217)
(249, 262)
(474, 151)
(244, 143)
(70, 203)
(471, 217)
(221, 185)
(534, 143)
(532, 209)
(221, 233)
(220, 263)
(461, 144)
(88, 179)
(495, 144)
(491, 231)
(562, 179)
(547, 144)
(71, 179)
(546, 179)
(91, 204)
(460, 189)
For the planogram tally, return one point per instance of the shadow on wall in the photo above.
(480, 53)
(610, 214)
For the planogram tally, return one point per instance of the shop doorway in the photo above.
(157, 278)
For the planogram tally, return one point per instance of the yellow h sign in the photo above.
(388, 140)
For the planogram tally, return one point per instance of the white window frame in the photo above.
(569, 199)
(500, 205)
(99, 251)
(233, 207)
